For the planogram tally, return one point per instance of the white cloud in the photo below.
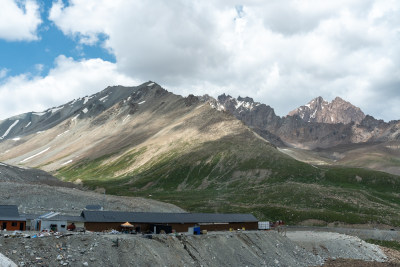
(19, 20)
(39, 68)
(3, 73)
(282, 53)
(68, 80)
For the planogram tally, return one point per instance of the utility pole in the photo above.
(104, 199)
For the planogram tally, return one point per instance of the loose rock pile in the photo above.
(216, 249)
(247, 248)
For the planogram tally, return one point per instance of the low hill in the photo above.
(380, 156)
(14, 174)
(37, 192)
(377, 156)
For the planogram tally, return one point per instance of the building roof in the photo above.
(68, 218)
(94, 207)
(158, 217)
(10, 213)
(30, 216)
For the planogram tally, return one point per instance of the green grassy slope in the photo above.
(244, 174)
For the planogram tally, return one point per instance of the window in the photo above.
(53, 227)
(14, 224)
(62, 225)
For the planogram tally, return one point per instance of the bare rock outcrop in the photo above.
(337, 111)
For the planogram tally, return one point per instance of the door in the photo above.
(21, 226)
(4, 226)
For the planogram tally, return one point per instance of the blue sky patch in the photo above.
(25, 56)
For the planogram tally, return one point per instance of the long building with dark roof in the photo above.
(97, 220)
(180, 222)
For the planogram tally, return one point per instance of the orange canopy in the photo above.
(127, 224)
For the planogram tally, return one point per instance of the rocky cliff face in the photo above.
(317, 124)
(337, 111)
(259, 117)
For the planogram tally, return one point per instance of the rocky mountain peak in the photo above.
(224, 97)
(319, 100)
(245, 99)
(322, 111)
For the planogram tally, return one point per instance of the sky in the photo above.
(282, 53)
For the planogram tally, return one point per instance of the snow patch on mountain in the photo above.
(244, 104)
(62, 133)
(9, 129)
(127, 116)
(67, 162)
(54, 110)
(31, 157)
(103, 99)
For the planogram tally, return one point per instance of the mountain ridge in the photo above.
(153, 143)
(295, 131)
(31, 122)
(281, 131)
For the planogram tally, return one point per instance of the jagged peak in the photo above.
(341, 100)
(319, 99)
(336, 111)
(245, 99)
(316, 102)
(224, 97)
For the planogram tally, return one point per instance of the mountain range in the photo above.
(322, 132)
(319, 124)
(215, 155)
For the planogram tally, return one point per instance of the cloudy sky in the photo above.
(280, 52)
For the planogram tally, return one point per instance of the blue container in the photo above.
(196, 230)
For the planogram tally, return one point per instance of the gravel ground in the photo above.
(39, 199)
(378, 234)
(248, 248)
(334, 246)
(358, 263)
(214, 249)
(37, 192)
